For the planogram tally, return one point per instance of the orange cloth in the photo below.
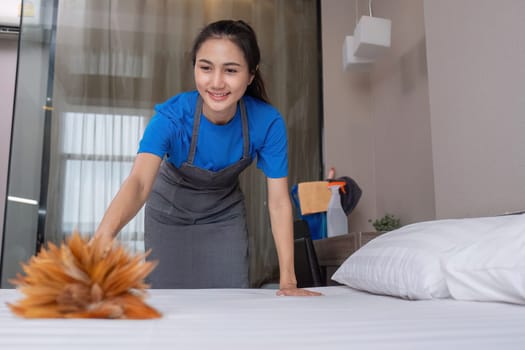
(313, 196)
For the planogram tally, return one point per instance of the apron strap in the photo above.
(195, 133)
(245, 133)
(197, 122)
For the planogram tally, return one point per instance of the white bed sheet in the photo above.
(257, 319)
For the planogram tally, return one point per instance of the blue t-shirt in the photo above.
(218, 146)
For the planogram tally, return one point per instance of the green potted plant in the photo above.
(387, 223)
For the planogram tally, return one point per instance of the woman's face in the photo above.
(221, 76)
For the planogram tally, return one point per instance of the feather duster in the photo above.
(84, 279)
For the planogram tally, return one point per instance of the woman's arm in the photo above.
(280, 208)
(131, 196)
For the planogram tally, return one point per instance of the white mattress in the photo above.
(257, 319)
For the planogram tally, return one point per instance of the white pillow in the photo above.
(407, 262)
(492, 269)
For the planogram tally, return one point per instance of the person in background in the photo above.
(187, 168)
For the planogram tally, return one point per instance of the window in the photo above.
(97, 154)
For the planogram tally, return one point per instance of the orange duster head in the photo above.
(84, 279)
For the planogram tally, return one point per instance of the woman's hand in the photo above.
(102, 242)
(292, 291)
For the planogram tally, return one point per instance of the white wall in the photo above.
(8, 54)
(347, 111)
(476, 56)
(401, 115)
(435, 129)
(377, 123)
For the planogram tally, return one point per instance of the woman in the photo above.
(188, 164)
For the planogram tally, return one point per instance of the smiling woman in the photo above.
(195, 219)
(113, 62)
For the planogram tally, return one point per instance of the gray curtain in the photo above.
(115, 59)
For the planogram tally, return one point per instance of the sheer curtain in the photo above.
(97, 154)
(115, 59)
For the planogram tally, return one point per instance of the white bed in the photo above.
(444, 284)
(343, 318)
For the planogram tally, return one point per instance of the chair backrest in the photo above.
(307, 269)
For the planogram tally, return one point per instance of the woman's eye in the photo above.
(205, 68)
(231, 70)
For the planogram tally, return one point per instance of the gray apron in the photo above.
(195, 222)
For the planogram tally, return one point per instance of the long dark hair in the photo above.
(242, 35)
